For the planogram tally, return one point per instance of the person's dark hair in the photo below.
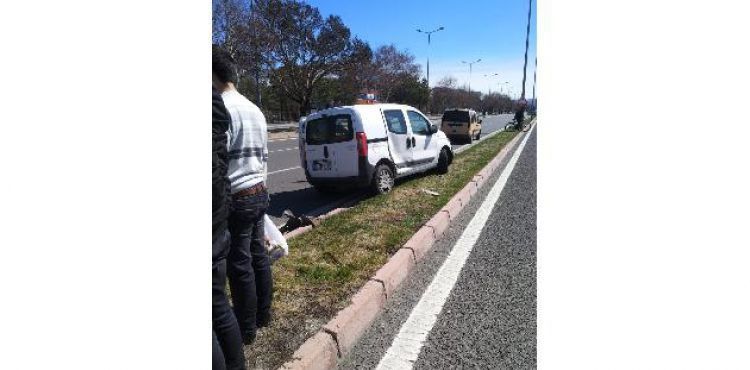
(223, 65)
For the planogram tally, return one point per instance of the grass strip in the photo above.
(331, 262)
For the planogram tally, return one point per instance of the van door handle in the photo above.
(325, 151)
(413, 141)
(408, 143)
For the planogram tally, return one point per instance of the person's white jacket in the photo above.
(247, 143)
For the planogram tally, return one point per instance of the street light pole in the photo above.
(470, 65)
(256, 56)
(526, 54)
(490, 86)
(534, 89)
(429, 38)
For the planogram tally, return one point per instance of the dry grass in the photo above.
(328, 264)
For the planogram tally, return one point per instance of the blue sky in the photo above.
(493, 30)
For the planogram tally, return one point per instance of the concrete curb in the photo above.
(342, 332)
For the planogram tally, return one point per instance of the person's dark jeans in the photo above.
(217, 355)
(519, 120)
(249, 267)
(225, 326)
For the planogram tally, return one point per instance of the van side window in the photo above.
(419, 125)
(395, 120)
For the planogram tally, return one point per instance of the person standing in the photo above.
(249, 267)
(228, 352)
(520, 110)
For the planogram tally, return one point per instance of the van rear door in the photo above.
(456, 122)
(330, 146)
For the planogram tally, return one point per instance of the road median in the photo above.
(368, 250)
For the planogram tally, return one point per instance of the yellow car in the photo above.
(461, 125)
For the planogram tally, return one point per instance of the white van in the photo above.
(370, 145)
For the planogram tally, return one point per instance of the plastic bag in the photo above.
(275, 242)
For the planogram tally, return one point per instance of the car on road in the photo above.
(461, 125)
(370, 145)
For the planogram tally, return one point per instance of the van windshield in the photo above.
(329, 130)
(456, 116)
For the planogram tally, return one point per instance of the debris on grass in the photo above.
(430, 192)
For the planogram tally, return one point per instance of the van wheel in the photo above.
(383, 179)
(479, 135)
(443, 161)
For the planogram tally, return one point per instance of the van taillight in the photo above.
(362, 144)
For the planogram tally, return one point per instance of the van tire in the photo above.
(443, 161)
(383, 179)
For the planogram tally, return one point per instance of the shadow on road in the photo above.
(312, 203)
(300, 201)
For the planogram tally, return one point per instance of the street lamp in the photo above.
(470, 65)
(256, 56)
(492, 75)
(509, 91)
(429, 37)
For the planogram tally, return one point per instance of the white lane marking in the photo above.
(283, 150)
(411, 337)
(284, 170)
(287, 139)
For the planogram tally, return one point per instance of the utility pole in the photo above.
(534, 89)
(526, 54)
(429, 37)
(470, 65)
(256, 56)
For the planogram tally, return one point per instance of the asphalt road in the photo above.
(489, 318)
(289, 189)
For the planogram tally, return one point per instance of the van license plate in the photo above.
(321, 165)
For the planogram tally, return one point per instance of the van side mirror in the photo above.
(433, 128)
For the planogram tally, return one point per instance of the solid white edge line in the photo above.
(407, 344)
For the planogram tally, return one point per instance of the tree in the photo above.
(447, 94)
(303, 48)
(228, 21)
(411, 91)
(449, 82)
(390, 66)
(496, 103)
(235, 29)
